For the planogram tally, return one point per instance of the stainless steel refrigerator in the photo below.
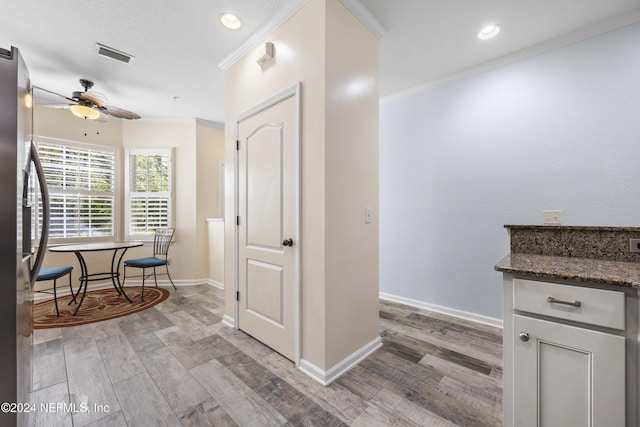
(19, 266)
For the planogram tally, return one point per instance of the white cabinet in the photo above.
(567, 376)
(589, 306)
(570, 354)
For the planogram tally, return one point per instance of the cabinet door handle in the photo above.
(524, 336)
(559, 301)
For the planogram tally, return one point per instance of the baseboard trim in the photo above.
(478, 318)
(215, 284)
(228, 321)
(327, 377)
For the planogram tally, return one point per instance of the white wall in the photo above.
(556, 131)
(335, 58)
(209, 153)
(198, 149)
(184, 253)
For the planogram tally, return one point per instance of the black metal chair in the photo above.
(54, 273)
(161, 243)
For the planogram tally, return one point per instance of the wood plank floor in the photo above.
(177, 365)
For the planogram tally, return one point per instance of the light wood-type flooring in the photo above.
(175, 364)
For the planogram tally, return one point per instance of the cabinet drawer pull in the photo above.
(558, 301)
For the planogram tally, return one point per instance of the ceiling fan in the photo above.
(92, 105)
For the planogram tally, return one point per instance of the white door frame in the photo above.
(268, 103)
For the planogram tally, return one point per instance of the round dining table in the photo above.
(86, 277)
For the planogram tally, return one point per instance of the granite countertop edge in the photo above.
(571, 227)
(597, 271)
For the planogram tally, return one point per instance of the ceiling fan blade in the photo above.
(63, 106)
(103, 117)
(50, 92)
(96, 98)
(120, 113)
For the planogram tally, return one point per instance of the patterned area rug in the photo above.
(98, 305)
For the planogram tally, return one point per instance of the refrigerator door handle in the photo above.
(44, 234)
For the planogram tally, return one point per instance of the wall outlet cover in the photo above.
(552, 217)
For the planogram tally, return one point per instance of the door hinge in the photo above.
(237, 295)
(237, 144)
(238, 221)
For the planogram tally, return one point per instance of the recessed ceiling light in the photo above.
(230, 21)
(488, 32)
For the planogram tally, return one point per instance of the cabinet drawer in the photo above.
(587, 305)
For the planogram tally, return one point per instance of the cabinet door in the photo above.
(567, 376)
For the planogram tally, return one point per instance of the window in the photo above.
(82, 183)
(149, 184)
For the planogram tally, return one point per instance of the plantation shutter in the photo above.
(149, 186)
(82, 185)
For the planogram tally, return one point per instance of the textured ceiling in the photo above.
(178, 44)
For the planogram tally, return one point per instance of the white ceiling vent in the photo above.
(112, 53)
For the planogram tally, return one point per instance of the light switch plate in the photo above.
(552, 217)
(367, 215)
(634, 245)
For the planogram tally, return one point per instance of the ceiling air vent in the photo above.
(112, 53)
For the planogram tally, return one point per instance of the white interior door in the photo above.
(268, 223)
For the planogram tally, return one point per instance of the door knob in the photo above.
(524, 336)
(287, 242)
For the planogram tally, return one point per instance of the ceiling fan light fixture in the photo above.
(85, 112)
(230, 21)
(488, 32)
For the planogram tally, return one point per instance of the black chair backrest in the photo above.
(162, 241)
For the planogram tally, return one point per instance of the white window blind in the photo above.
(82, 188)
(149, 183)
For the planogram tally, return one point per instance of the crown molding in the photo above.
(547, 46)
(209, 123)
(354, 6)
(264, 31)
(366, 17)
(167, 120)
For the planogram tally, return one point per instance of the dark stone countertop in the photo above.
(604, 243)
(597, 271)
